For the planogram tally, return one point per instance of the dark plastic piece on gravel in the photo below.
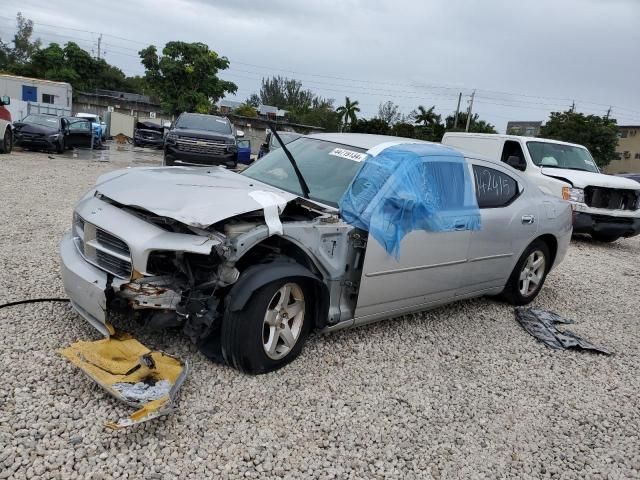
(542, 325)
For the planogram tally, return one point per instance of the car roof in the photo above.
(362, 140)
(512, 137)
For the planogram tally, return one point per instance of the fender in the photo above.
(258, 276)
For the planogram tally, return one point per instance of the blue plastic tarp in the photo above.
(406, 187)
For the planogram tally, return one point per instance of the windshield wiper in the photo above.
(303, 184)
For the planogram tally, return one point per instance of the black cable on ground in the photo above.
(34, 300)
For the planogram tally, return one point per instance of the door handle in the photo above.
(528, 219)
(460, 226)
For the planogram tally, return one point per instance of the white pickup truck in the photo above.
(604, 206)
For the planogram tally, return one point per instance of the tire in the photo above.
(514, 291)
(603, 237)
(168, 161)
(7, 142)
(60, 148)
(254, 339)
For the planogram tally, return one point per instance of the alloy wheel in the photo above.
(283, 321)
(532, 273)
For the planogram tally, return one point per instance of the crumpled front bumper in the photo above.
(85, 285)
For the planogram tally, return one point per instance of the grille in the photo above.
(195, 145)
(611, 198)
(101, 248)
(114, 243)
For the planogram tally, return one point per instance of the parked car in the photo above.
(6, 128)
(632, 176)
(148, 134)
(247, 263)
(52, 133)
(244, 151)
(604, 206)
(197, 139)
(270, 142)
(98, 123)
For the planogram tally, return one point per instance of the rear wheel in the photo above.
(603, 237)
(529, 274)
(270, 330)
(7, 142)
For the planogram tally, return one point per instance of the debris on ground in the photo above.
(542, 325)
(132, 373)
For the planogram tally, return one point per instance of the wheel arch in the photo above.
(552, 243)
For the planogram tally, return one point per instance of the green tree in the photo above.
(475, 125)
(246, 111)
(375, 126)
(389, 112)
(253, 100)
(404, 129)
(425, 116)
(12, 58)
(598, 134)
(185, 76)
(347, 112)
(285, 93)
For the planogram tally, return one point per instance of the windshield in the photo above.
(43, 120)
(555, 155)
(285, 137)
(323, 165)
(203, 122)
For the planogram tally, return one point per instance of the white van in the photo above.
(604, 206)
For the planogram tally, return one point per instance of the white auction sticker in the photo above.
(350, 154)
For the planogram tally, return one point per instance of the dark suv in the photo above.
(197, 139)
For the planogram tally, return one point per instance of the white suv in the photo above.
(605, 206)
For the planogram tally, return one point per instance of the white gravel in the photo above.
(459, 392)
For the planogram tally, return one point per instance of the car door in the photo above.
(78, 132)
(509, 222)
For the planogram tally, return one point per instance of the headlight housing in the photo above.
(55, 136)
(575, 195)
(172, 138)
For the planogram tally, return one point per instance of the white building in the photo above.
(34, 95)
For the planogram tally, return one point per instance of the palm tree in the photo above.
(426, 117)
(347, 113)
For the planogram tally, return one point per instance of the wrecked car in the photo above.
(148, 134)
(331, 231)
(52, 133)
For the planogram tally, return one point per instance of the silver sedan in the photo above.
(248, 264)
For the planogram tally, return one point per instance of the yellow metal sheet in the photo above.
(131, 372)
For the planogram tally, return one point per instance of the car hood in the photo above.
(204, 134)
(194, 196)
(580, 179)
(34, 129)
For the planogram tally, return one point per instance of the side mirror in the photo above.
(6, 100)
(239, 133)
(517, 163)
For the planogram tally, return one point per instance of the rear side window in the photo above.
(494, 189)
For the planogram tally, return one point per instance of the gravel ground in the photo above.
(458, 392)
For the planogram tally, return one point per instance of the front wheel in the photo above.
(7, 142)
(60, 147)
(270, 330)
(168, 161)
(529, 274)
(603, 237)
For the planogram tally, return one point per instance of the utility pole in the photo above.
(573, 107)
(469, 111)
(455, 121)
(99, 45)
(608, 114)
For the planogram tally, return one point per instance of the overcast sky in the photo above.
(525, 58)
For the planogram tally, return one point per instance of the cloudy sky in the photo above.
(524, 58)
